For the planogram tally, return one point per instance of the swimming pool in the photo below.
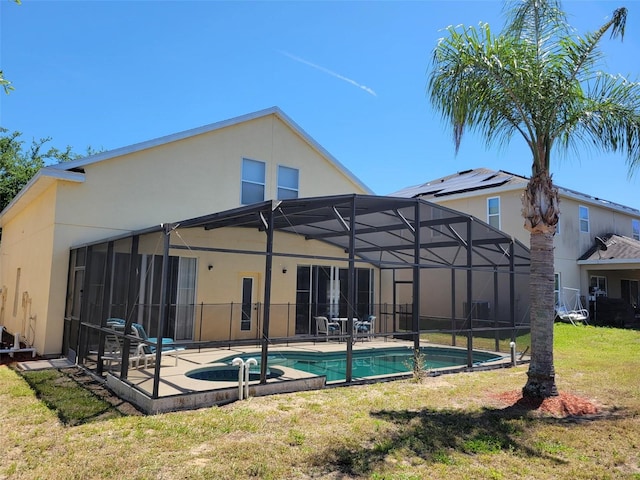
(367, 363)
(224, 373)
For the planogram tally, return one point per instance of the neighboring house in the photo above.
(597, 244)
(244, 160)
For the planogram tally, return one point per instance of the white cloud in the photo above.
(331, 72)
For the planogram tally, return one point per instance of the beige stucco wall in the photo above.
(194, 177)
(27, 246)
(222, 284)
(569, 243)
(184, 179)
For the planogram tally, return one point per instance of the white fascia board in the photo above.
(611, 261)
(38, 184)
(598, 202)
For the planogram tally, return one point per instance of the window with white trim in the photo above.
(635, 229)
(253, 181)
(583, 214)
(288, 179)
(493, 212)
(597, 285)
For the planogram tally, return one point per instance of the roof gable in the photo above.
(83, 162)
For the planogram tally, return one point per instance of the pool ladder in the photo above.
(243, 375)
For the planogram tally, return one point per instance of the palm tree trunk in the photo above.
(540, 209)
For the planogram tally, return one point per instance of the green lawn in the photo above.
(442, 427)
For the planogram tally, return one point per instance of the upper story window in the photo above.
(253, 181)
(287, 182)
(635, 229)
(584, 219)
(493, 212)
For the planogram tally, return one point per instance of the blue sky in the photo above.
(108, 74)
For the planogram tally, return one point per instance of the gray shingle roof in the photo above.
(485, 178)
(617, 248)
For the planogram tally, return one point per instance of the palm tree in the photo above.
(540, 80)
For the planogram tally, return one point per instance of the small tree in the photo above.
(18, 166)
(539, 80)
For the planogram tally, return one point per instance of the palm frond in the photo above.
(607, 117)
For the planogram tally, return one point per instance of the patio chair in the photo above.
(113, 347)
(325, 327)
(167, 343)
(363, 328)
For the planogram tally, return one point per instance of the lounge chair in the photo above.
(167, 343)
(139, 353)
(325, 327)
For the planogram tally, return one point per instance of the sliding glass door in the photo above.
(322, 291)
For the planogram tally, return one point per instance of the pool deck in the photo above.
(177, 391)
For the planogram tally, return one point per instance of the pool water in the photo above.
(367, 363)
(229, 374)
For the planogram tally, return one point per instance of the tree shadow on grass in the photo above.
(435, 435)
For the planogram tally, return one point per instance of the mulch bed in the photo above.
(561, 406)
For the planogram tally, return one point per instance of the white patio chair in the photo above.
(325, 327)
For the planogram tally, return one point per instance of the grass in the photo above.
(73, 403)
(442, 427)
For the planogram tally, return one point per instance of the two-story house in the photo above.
(85, 241)
(248, 159)
(597, 243)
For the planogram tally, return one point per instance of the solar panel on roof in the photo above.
(473, 184)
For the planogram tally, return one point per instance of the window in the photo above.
(598, 285)
(635, 229)
(630, 290)
(558, 227)
(182, 280)
(247, 303)
(287, 183)
(584, 219)
(493, 212)
(556, 288)
(253, 175)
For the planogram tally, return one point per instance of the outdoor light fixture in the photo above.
(210, 267)
(284, 269)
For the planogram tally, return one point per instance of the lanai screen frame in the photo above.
(389, 233)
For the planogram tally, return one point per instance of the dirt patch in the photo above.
(561, 406)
